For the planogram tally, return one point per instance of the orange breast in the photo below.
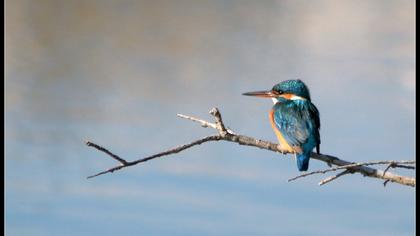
(283, 143)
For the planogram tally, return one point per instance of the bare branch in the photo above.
(387, 168)
(351, 167)
(396, 165)
(331, 178)
(219, 122)
(228, 135)
(102, 149)
(203, 123)
(107, 171)
(165, 153)
(178, 149)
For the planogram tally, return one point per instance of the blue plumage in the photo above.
(294, 118)
(297, 119)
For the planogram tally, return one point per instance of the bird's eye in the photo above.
(277, 92)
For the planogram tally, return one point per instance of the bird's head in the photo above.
(289, 89)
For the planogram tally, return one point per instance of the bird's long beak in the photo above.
(263, 94)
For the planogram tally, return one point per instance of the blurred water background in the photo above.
(118, 72)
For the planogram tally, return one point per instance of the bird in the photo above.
(294, 119)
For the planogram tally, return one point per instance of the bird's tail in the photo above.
(303, 161)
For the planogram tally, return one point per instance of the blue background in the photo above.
(118, 72)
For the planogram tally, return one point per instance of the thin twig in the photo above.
(396, 165)
(331, 178)
(219, 122)
(387, 168)
(404, 166)
(350, 166)
(203, 123)
(178, 148)
(102, 149)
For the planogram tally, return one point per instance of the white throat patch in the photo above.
(294, 97)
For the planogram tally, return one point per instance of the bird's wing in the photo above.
(292, 122)
(315, 125)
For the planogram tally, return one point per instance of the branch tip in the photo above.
(214, 111)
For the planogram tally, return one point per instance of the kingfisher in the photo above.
(294, 119)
